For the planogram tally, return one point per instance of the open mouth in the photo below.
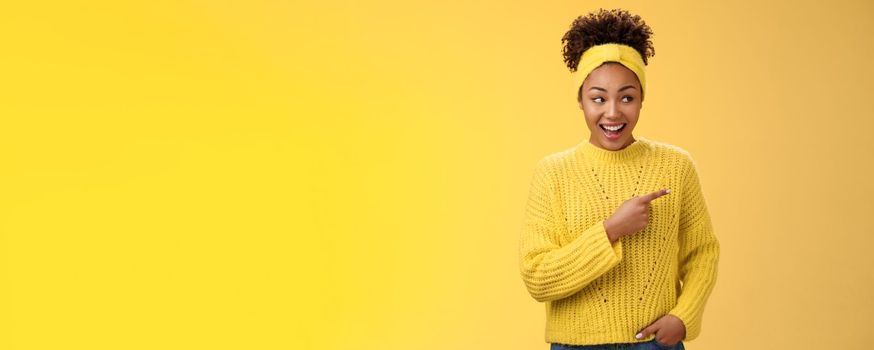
(613, 131)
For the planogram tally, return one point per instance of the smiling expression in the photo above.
(611, 98)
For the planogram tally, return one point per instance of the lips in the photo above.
(613, 131)
(613, 127)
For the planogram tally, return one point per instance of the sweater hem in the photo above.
(594, 338)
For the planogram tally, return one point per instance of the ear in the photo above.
(580, 97)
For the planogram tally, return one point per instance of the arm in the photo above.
(698, 255)
(550, 271)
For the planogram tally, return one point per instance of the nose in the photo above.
(612, 110)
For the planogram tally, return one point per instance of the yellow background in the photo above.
(352, 175)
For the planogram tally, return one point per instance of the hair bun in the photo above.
(602, 27)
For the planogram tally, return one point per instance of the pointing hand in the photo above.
(632, 216)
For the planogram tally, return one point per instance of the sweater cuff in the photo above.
(603, 244)
(691, 321)
(616, 246)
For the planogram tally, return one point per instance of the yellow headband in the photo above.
(612, 52)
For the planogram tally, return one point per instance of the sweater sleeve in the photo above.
(552, 271)
(698, 254)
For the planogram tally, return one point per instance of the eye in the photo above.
(597, 98)
(629, 98)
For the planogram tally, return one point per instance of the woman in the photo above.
(614, 224)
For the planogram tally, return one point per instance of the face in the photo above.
(611, 97)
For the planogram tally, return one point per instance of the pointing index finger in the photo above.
(650, 196)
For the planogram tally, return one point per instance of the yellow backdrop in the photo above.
(352, 175)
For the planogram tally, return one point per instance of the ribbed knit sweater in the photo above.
(596, 292)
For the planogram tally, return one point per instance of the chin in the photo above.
(613, 146)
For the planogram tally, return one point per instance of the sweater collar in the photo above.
(635, 149)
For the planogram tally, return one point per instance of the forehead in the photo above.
(611, 74)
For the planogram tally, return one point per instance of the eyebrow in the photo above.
(605, 90)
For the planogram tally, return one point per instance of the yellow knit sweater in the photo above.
(596, 292)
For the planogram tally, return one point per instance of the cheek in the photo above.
(632, 113)
(590, 114)
(591, 121)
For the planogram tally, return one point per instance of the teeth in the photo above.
(613, 128)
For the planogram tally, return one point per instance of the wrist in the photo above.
(608, 227)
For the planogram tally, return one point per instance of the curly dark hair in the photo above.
(606, 26)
